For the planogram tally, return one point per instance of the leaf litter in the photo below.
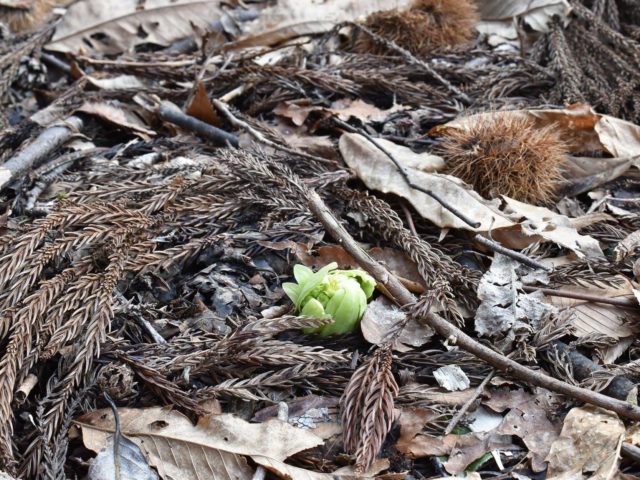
(166, 165)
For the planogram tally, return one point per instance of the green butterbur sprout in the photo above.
(339, 294)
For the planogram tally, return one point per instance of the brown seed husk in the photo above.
(425, 26)
(506, 154)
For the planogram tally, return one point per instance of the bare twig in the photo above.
(173, 114)
(463, 410)
(47, 141)
(518, 257)
(446, 205)
(236, 122)
(454, 334)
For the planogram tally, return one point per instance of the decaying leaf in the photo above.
(590, 317)
(506, 311)
(589, 443)
(116, 26)
(527, 419)
(501, 18)
(382, 318)
(292, 18)
(133, 464)
(542, 223)
(215, 447)
(378, 172)
(117, 115)
(451, 378)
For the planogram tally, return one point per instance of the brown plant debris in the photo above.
(143, 252)
(367, 407)
(506, 155)
(422, 27)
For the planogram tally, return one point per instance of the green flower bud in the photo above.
(339, 294)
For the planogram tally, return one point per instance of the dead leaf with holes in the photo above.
(214, 448)
(116, 26)
(527, 418)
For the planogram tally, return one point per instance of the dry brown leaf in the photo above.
(589, 443)
(380, 318)
(292, 18)
(213, 448)
(472, 446)
(201, 106)
(121, 82)
(116, 115)
(527, 419)
(541, 223)
(378, 172)
(411, 422)
(590, 317)
(115, 26)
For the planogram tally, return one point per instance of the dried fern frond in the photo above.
(506, 154)
(367, 407)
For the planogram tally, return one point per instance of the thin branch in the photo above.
(619, 302)
(236, 122)
(170, 113)
(455, 335)
(518, 257)
(50, 139)
(463, 410)
(446, 205)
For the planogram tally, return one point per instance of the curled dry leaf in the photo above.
(133, 464)
(378, 172)
(215, 447)
(537, 223)
(116, 26)
(589, 443)
(119, 116)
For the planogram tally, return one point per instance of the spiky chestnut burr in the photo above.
(422, 27)
(505, 153)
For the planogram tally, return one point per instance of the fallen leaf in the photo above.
(590, 317)
(215, 447)
(201, 107)
(378, 172)
(527, 419)
(536, 14)
(116, 115)
(411, 422)
(541, 223)
(589, 442)
(121, 82)
(293, 18)
(381, 317)
(504, 309)
(133, 464)
(116, 26)
(472, 446)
